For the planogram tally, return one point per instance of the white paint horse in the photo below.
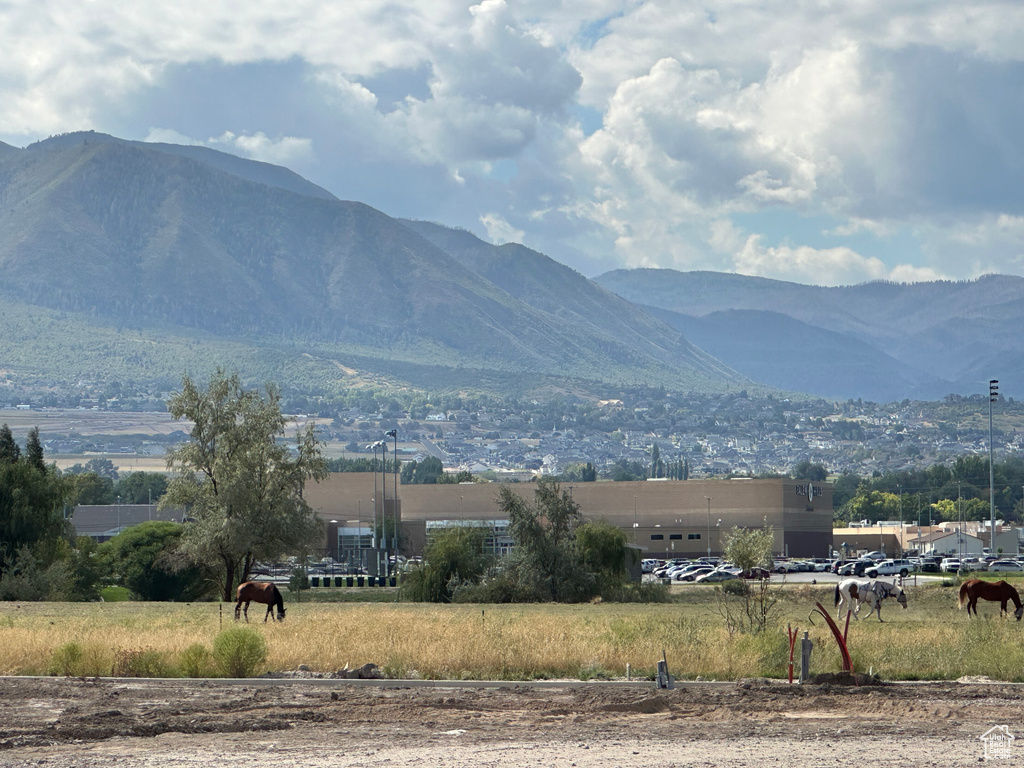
(853, 592)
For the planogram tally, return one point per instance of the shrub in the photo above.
(74, 660)
(196, 661)
(141, 663)
(239, 652)
(66, 660)
(736, 587)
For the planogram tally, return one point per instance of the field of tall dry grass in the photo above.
(929, 640)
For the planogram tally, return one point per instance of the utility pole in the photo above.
(993, 395)
(708, 498)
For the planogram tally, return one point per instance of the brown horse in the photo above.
(260, 592)
(998, 591)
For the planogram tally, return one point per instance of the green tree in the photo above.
(453, 557)
(805, 470)
(90, 488)
(141, 559)
(428, 471)
(9, 450)
(752, 609)
(602, 550)
(749, 548)
(871, 506)
(34, 450)
(544, 559)
(656, 467)
(141, 487)
(242, 488)
(33, 503)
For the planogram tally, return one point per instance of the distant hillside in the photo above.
(170, 242)
(916, 340)
(253, 170)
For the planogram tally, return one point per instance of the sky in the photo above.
(821, 142)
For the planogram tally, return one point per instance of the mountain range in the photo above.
(141, 262)
(880, 341)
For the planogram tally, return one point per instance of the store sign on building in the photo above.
(809, 491)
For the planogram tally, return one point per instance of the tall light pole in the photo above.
(708, 499)
(899, 490)
(993, 395)
(393, 433)
(374, 447)
(384, 502)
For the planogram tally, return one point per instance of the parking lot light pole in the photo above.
(993, 395)
(708, 499)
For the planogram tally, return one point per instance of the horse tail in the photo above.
(837, 595)
(963, 596)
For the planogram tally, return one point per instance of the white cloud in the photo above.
(169, 136)
(282, 151)
(828, 266)
(890, 132)
(500, 231)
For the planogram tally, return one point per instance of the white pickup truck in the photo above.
(889, 568)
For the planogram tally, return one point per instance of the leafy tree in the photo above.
(242, 488)
(34, 450)
(579, 473)
(805, 470)
(602, 551)
(140, 558)
(428, 471)
(752, 609)
(656, 465)
(141, 487)
(90, 488)
(102, 467)
(749, 548)
(9, 450)
(76, 576)
(625, 470)
(871, 506)
(544, 558)
(453, 557)
(33, 502)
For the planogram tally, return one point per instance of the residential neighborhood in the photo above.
(694, 435)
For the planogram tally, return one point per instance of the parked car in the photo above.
(890, 568)
(949, 565)
(719, 574)
(692, 575)
(856, 567)
(1005, 565)
(757, 573)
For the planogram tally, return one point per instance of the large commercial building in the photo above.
(664, 518)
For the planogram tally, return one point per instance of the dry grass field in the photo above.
(931, 640)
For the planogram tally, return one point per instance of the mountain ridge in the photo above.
(147, 238)
(946, 336)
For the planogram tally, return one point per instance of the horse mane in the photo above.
(278, 598)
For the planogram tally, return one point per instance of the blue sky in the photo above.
(825, 143)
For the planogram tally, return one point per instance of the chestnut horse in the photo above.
(260, 592)
(996, 591)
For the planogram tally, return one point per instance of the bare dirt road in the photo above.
(65, 723)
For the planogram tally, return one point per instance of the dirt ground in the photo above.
(65, 723)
